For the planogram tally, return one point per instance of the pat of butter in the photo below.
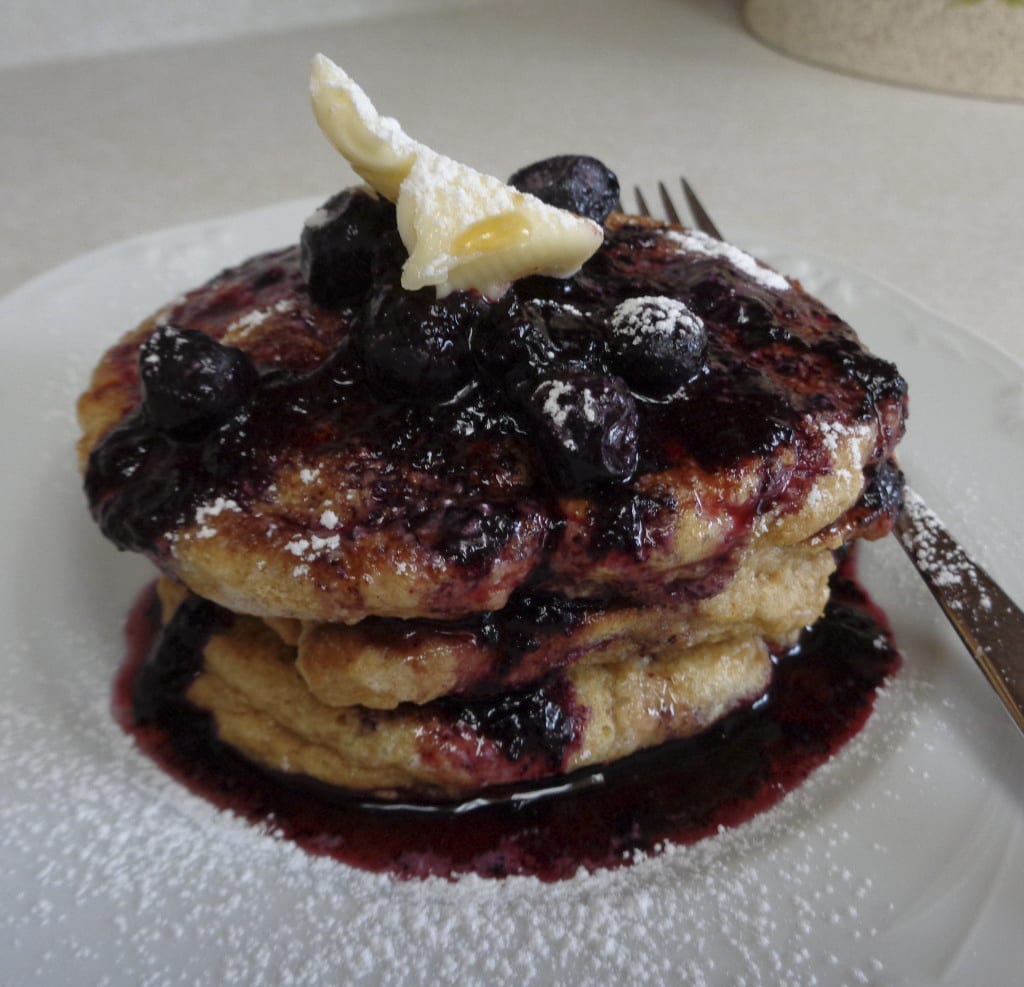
(462, 229)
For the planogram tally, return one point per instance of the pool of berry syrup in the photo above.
(821, 694)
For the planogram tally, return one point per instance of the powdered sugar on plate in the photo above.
(172, 882)
(115, 875)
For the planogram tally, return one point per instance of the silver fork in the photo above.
(989, 623)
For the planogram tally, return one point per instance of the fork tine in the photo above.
(700, 214)
(641, 203)
(668, 205)
(701, 219)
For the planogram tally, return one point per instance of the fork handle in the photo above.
(989, 623)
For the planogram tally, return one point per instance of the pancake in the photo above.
(260, 707)
(329, 496)
(381, 663)
(447, 543)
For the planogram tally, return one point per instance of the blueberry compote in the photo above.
(653, 357)
(821, 693)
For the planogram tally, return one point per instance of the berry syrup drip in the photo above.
(821, 694)
(653, 357)
(523, 625)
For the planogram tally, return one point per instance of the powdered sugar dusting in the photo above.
(202, 517)
(832, 433)
(655, 315)
(311, 548)
(184, 893)
(298, 546)
(115, 875)
(942, 560)
(694, 241)
(851, 438)
(245, 324)
(218, 507)
(317, 218)
(558, 410)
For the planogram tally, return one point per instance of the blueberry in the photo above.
(190, 382)
(130, 479)
(388, 258)
(571, 181)
(417, 345)
(511, 343)
(230, 448)
(523, 339)
(656, 344)
(578, 339)
(338, 243)
(587, 425)
(884, 489)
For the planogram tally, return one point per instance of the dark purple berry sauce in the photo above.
(543, 377)
(512, 409)
(821, 694)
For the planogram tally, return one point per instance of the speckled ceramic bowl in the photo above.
(966, 46)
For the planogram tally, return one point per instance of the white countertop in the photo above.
(920, 189)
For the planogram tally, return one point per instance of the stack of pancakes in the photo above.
(416, 610)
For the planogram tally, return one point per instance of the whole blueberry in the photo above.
(581, 184)
(338, 243)
(417, 345)
(656, 344)
(587, 426)
(191, 383)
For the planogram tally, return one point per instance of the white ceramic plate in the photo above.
(900, 861)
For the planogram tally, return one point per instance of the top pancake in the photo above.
(327, 499)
